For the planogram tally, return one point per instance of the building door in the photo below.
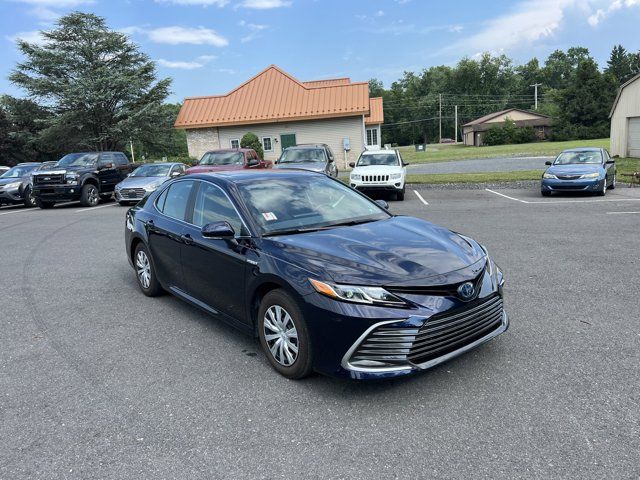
(634, 137)
(287, 140)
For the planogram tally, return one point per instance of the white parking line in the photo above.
(91, 209)
(622, 213)
(22, 210)
(546, 202)
(420, 197)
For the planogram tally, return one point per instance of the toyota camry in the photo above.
(325, 278)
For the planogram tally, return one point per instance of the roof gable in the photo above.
(495, 115)
(622, 87)
(273, 95)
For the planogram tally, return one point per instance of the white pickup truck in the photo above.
(379, 170)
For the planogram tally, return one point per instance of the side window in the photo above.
(160, 200)
(176, 199)
(121, 159)
(212, 205)
(106, 158)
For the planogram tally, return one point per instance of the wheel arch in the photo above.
(90, 179)
(262, 288)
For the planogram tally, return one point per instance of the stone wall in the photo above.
(201, 140)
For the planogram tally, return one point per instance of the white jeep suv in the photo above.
(379, 170)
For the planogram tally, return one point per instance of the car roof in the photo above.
(241, 176)
(224, 150)
(28, 163)
(583, 149)
(162, 163)
(373, 152)
(303, 146)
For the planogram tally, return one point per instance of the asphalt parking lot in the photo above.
(99, 381)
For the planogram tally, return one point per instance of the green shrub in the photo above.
(509, 133)
(251, 140)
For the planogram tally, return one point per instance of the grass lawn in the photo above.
(485, 177)
(448, 153)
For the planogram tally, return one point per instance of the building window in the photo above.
(372, 136)
(267, 146)
(235, 143)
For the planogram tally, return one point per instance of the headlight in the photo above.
(355, 176)
(395, 176)
(12, 185)
(356, 294)
(548, 175)
(152, 186)
(590, 175)
(71, 178)
(493, 269)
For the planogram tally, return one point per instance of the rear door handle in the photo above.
(186, 238)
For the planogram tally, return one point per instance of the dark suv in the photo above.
(85, 176)
(315, 157)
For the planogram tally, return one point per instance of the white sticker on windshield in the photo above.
(269, 216)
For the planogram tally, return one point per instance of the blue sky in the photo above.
(211, 46)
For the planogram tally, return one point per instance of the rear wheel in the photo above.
(145, 272)
(613, 183)
(29, 199)
(43, 204)
(284, 336)
(89, 196)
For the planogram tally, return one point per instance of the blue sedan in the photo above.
(580, 170)
(324, 277)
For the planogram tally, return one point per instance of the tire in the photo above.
(286, 361)
(44, 205)
(90, 196)
(124, 204)
(603, 192)
(545, 193)
(105, 196)
(146, 272)
(29, 199)
(400, 194)
(613, 183)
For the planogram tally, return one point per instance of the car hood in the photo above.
(140, 182)
(397, 251)
(213, 168)
(574, 169)
(378, 169)
(59, 170)
(311, 166)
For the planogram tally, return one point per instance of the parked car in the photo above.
(580, 169)
(447, 140)
(15, 184)
(327, 279)
(229, 159)
(86, 176)
(29, 199)
(379, 170)
(313, 157)
(145, 179)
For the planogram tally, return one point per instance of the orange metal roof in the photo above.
(274, 96)
(376, 114)
(329, 82)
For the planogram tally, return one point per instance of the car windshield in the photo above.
(222, 158)
(302, 155)
(151, 170)
(78, 160)
(578, 158)
(377, 159)
(301, 203)
(18, 172)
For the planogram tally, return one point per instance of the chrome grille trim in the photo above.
(375, 178)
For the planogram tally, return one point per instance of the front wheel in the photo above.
(400, 194)
(284, 336)
(545, 193)
(603, 192)
(89, 196)
(29, 199)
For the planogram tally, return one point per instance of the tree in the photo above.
(168, 141)
(251, 140)
(97, 87)
(619, 64)
(376, 88)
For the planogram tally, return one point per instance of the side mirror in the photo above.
(383, 204)
(405, 164)
(253, 162)
(548, 162)
(610, 162)
(218, 230)
(175, 174)
(104, 166)
(352, 164)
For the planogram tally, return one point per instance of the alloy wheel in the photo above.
(92, 196)
(143, 268)
(281, 335)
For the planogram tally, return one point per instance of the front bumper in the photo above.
(389, 185)
(13, 195)
(129, 194)
(57, 193)
(580, 185)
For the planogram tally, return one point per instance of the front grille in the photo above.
(450, 290)
(132, 192)
(447, 332)
(375, 178)
(568, 187)
(568, 177)
(440, 335)
(46, 179)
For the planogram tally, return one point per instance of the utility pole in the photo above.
(133, 156)
(455, 137)
(440, 117)
(535, 86)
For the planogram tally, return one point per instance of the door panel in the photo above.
(634, 137)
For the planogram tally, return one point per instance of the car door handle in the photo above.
(186, 238)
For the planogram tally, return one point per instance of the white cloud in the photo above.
(34, 36)
(45, 14)
(200, 62)
(254, 30)
(203, 3)
(265, 4)
(379, 13)
(602, 13)
(55, 3)
(178, 35)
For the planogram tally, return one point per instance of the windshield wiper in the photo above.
(292, 231)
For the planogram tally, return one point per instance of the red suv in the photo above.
(229, 159)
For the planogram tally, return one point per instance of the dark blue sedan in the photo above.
(580, 170)
(327, 279)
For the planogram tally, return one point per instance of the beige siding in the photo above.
(628, 106)
(331, 132)
(514, 115)
(200, 140)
